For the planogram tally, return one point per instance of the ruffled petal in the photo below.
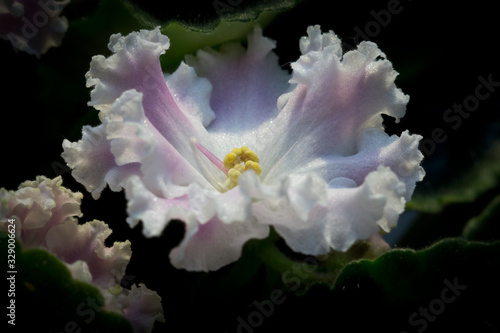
(135, 64)
(142, 307)
(33, 26)
(374, 148)
(128, 144)
(214, 244)
(217, 224)
(148, 121)
(93, 163)
(80, 270)
(72, 242)
(349, 214)
(333, 100)
(154, 211)
(134, 139)
(39, 205)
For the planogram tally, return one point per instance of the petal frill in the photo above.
(72, 242)
(333, 99)
(246, 85)
(134, 139)
(214, 244)
(350, 214)
(39, 205)
(92, 162)
(148, 120)
(217, 224)
(154, 211)
(128, 144)
(374, 147)
(142, 307)
(135, 64)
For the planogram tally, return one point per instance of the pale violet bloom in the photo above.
(33, 26)
(45, 217)
(319, 167)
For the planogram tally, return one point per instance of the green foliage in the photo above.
(439, 289)
(485, 226)
(46, 295)
(482, 176)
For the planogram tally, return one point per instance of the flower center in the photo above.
(238, 161)
(234, 164)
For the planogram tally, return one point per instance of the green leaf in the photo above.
(231, 25)
(91, 34)
(483, 176)
(485, 227)
(296, 272)
(453, 283)
(410, 279)
(187, 40)
(48, 297)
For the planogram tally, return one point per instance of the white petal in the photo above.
(214, 244)
(350, 214)
(80, 270)
(246, 84)
(38, 206)
(154, 211)
(72, 242)
(142, 307)
(333, 100)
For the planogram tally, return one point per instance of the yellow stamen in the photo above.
(252, 156)
(233, 161)
(254, 166)
(229, 160)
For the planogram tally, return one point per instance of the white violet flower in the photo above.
(44, 214)
(231, 144)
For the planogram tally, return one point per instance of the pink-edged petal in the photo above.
(214, 244)
(191, 94)
(93, 163)
(246, 85)
(72, 242)
(128, 144)
(335, 97)
(134, 139)
(142, 307)
(135, 64)
(38, 206)
(350, 214)
(375, 148)
(154, 211)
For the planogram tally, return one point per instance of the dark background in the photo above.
(439, 50)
